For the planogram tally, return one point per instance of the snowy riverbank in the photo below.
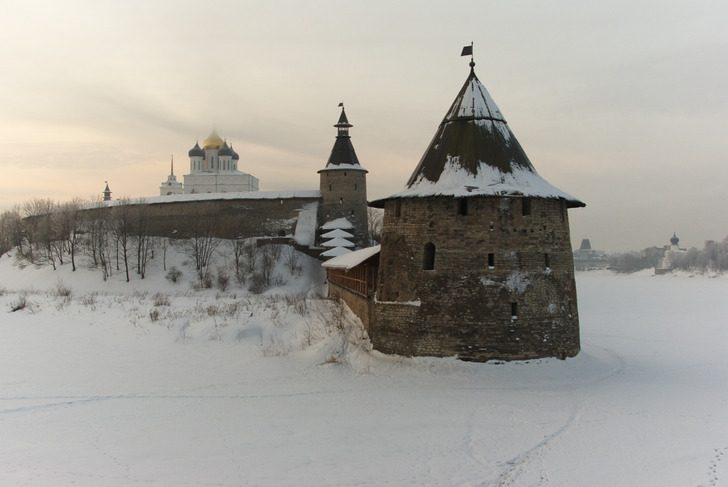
(238, 389)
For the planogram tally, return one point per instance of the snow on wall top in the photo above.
(352, 259)
(243, 195)
(341, 223)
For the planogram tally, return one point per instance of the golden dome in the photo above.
(213, 141)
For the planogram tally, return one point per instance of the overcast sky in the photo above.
(623, 104)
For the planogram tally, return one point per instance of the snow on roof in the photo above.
(475, 102)
(456, 181)
(336, 252)
(305, 233)
(474, 153)
(337, 242)
(337, 233)
(343, 167)
(242, 195)
(341, 223)
(352, 259)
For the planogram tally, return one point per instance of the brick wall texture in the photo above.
(522, 306)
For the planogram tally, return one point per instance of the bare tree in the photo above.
(38, 230)
(122, 229)
(11, 230)
(202, 243)
(375, 221)
(68, 224)
(142, 236)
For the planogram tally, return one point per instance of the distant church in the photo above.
(213, 169)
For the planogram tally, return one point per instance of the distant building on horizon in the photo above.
(588, 259)
(672, 253)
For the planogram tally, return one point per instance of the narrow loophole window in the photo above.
(526, 206)
(463, 206)
(428, 257)
(341, 201)
(546, 260)
(514, 311)
(398, 208)
(491, 261)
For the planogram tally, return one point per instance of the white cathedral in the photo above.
(213, 169)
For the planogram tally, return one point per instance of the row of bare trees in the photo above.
(122, 238)
(48, 233)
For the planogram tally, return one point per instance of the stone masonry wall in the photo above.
(222, 218)
(344, 194)
(522, 306)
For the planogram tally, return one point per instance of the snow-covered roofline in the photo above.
(242, 195)
(456, 181)
(352, 259)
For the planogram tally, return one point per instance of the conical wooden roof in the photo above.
(474, 153)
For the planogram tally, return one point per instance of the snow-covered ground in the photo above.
(114, 387)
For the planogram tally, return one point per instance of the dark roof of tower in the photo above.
(674, 240)
(343, 155)
(225, 150)
(474, 153)
(236, 156)
(196, 151)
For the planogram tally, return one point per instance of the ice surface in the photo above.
(229, 388)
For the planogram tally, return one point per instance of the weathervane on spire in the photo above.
(468, 51)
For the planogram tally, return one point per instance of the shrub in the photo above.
(173, 274)
(154, 314)
(19, 304)
(223, 280)
(63, 291)
(258, 284)
(161, 300)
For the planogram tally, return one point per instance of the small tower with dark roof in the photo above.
(476, 256)
(171, 185)
(343, 185)
(107, 192)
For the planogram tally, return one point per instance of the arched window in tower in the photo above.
(428, 257)
(341, 201)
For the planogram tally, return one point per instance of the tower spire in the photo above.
(171, 163)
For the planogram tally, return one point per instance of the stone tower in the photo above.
(343, 185)
(476, 257)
